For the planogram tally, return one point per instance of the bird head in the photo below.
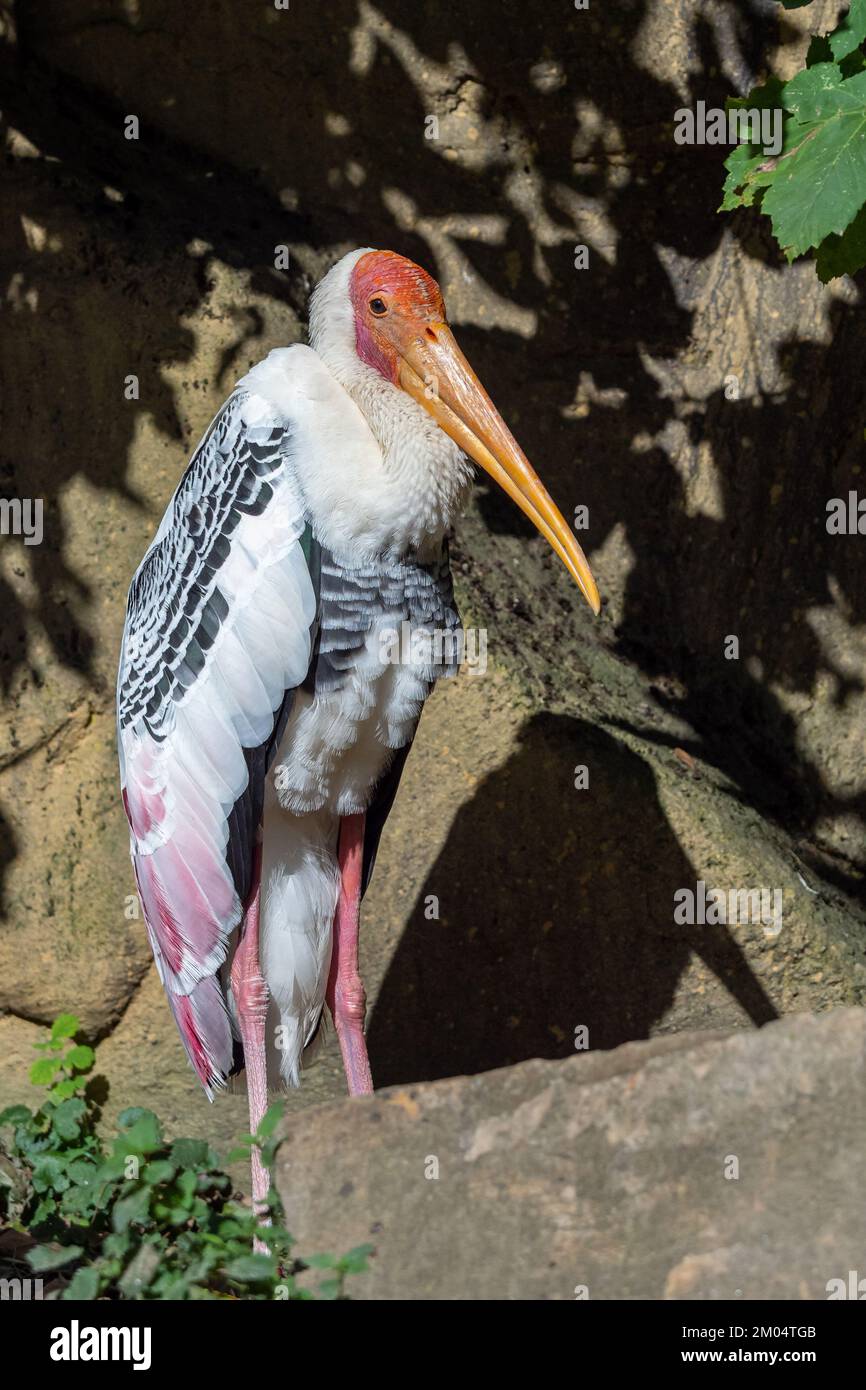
(401, 332)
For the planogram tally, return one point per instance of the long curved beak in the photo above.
(433, 370)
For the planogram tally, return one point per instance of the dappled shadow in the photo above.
(71, 334)
(262, 127)
(555, 911)
(769, 566)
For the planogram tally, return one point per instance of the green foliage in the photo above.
(814, 189)
(144, 1218)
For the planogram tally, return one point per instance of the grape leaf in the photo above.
(142, 1137)
(251, 1268)
(845, 254)
(270, 1120)
(851, 32)
(749, 168)
(81, 1057)
(68, 1117)
(805, 94)
(14, 1115)
(820, 187)
(83, 1286)
(42, 1072)
(66, 1026)
(45, 1257)
(189, 1153)
(135, 1208)
(749, 173)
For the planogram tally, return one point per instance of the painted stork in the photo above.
(262, 722)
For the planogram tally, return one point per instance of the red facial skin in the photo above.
(411, 296)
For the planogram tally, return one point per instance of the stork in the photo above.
(262, 726)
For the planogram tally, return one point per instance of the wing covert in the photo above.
(219, 629)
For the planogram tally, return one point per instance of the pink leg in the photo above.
(251, 1001)
(345, 993)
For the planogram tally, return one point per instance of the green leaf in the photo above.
(854, 63)
(15, 1115)
(270, 1120)
(216, 1182)
(767, 96)
(321, 1261)
(83, 1170)
(45, 1211)
(83, 1286)
(117, 1245)
(127, 1118)
(50, 1172)
(252, 1269)
(140, 1271)
(750, 170)
(805, 96)
(743, 166)
(843, 255)
(78, 1202)
(851, 32)
(46, 1257)
(42, 1072)
(159, 1170)
(189, 1153)
(199, 1210)
(111, 1168)
(132, 1209)
(821, 52)
(356, 1260)
(63, 1090)
(186, 1185)
(230, 1227)
(269, 1149)
(142, 1137)
(66, 1026)
(68, 1117)
(820, 187)
(172, 1230)
(81, 1057)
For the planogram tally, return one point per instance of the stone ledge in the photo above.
(605, 1171)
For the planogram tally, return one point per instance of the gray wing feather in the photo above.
(218, 634)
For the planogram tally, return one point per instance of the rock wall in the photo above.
(695, 1167)
(697, 395)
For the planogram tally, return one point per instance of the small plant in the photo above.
(147, 1218)
(814, 189)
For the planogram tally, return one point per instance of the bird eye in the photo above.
(378, 307)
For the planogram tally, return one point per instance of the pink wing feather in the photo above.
(218, 635)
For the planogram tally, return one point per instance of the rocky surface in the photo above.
(695, 1167)
(154, 258)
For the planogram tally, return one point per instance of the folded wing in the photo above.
(219, 631)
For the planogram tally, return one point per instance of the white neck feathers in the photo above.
(420, 481)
